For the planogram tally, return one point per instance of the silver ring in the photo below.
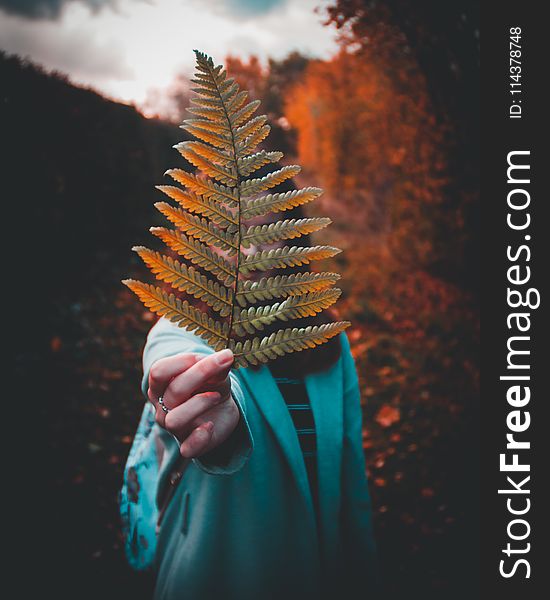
(162, 405)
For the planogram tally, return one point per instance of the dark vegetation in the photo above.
(80, 175)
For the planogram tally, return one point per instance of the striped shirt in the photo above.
(295, 395)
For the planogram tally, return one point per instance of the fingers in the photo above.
(198, 441)
(180, 418)
(165, 369)
(212, 370)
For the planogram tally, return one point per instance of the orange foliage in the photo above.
(388, 415)
(249, 75)
(370, 139)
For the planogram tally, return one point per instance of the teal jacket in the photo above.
(241, 522)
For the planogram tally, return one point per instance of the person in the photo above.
(254, 477)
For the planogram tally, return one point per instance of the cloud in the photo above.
(144, 44)
(70, 50)
(295, 26)
(46, 9)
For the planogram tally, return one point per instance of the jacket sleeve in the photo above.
(137, 496)
(359, 545)
(166, 339)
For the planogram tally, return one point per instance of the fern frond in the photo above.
(216, 139)
(281, 286)
(306, 305)
(198, 253)
(199, 204)
(278, 202)
(249, 129)
(206, 65)
(279, 258)
(213, 102)
(209, 92)
(284, 341)
(167, 305)
(282, 230)
(187, 279)
(203, 80)
(228, 90)
(210, 125)
(211, 213)
(208, 152)
(244, 113)
(210, 168)
(205, 188)
(252, 163)
(247, 147)
(199, 228)
(232, 104)
(213, 113)
(254, 186)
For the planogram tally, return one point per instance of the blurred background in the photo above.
(379, 103)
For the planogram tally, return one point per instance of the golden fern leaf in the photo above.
(278, 202)
(203, 187)
(305, 305)
(208, 152)
(199, 228)
(253, 186)
(208, 167)
(251, 128)
(251, 142)
(279, 258)
(199, 204)
(211, 137)
(211, 231)
(252, 163)
(281, 286)
(212, 125)
(187, 279)
(234, 103)
(283, 342)
(244, 113)
(214, 113)
(182, 313)
(198, 253)
(282, 230)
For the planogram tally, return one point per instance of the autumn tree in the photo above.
(270, 84)
(367, 135)
(441, 41)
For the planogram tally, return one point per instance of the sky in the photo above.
(125, 48)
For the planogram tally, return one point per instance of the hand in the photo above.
(197, 391)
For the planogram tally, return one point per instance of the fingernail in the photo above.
(224, 357)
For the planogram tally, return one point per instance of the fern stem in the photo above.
(238, 186)
(237, 269)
